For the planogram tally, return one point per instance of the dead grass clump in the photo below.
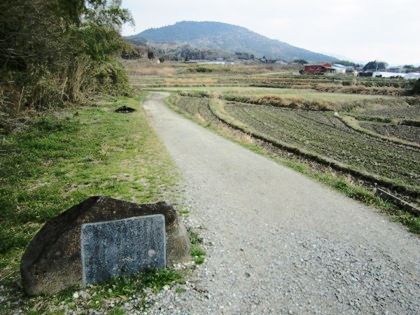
(301, 86)
(320, 105)
(247, 138)
(359, 89)
(200, 118)
(315, 105)
(326, 87)
(290, 102)
(273, 100)
(207, 94)
(136, 68)
(190, 82)
(239, 135)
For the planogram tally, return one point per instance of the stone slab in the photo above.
(122, 247)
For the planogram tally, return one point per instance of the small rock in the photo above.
(125, 109)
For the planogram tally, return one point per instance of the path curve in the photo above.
(278, 242)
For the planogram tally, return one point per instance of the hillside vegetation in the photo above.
(56, 52)
(226, 37)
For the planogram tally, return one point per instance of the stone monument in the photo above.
(122, 247)
(52, 262)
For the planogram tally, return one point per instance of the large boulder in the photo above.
(52, 261)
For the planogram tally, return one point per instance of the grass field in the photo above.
(59, 161)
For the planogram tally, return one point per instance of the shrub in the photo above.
(416, 88)
(200, 69)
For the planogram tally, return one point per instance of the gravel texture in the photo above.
(276, 241)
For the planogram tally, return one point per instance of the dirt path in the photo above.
(277, 242)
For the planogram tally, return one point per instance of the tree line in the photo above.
(59, 51)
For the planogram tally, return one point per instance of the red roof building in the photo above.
(318, 69)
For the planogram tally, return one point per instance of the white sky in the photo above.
(360, 30)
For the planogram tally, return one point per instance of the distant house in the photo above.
(339, 69)
(318, 69)
(395, 69)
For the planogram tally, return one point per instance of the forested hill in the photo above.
(227, 37)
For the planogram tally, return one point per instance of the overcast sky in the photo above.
(360, 30)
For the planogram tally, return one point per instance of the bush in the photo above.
(416, 88)
(55, 52)
(200, 70)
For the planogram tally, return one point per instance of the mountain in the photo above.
(226, 37)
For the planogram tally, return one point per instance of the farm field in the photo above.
(145, 76)
(366, 126)
(323, 134)
(407, 133)
(318, 133)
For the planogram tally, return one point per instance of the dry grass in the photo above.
(280, 101)
(190, 81)
(359, 89)
(159, 71)
(200, 118)
(225, 130)
(148, 68)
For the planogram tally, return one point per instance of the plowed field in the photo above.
(321, 133)
(324, 134)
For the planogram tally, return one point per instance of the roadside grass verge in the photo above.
(344, 185)
(59, 161)
(340, 183)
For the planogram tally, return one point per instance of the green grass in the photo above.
(64, 158)
(198, 254)
(197, 251)
(107, 298)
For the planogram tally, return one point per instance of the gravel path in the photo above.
(277, 242)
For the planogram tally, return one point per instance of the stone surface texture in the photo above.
(122, 247)
(52, 261)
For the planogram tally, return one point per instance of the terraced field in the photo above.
(323, 134)
(375, 133)
(194, 106)
(320, 134)
(146, 76)
(404, 132)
